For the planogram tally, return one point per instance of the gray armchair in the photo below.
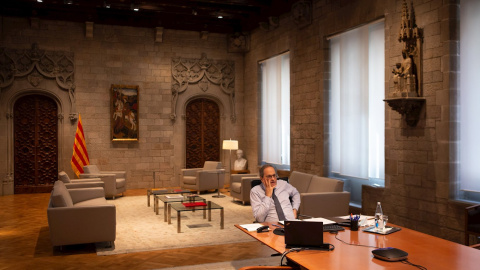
(80, 183)
(79, 216)
(240, 186)
(115, 181)
(211, 176)
(320, 196)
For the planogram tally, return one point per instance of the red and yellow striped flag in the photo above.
(80, 155)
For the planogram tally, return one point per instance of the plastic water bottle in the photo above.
(379, 217)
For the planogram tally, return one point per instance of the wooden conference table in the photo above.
(428, 251)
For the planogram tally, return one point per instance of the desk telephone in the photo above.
(264, 228)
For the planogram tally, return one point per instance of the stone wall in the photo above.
(127, 56)
(418, 159)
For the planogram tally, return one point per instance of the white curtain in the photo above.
(469, 165)
(357, 107)
(275, 94)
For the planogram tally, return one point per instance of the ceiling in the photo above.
(195, 15)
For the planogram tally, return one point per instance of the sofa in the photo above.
(80, 216)
(320, 196)
(115, 181)
(211, 176)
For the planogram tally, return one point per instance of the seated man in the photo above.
(271, 200)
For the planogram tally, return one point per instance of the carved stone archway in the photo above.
(35, 71)
(201, 78)
(202, 72)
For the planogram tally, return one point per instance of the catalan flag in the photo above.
(80, 155)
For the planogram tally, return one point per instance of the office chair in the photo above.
(472, 222)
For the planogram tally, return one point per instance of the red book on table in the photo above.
(194, 204)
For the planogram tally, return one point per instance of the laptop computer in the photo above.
(304, 234)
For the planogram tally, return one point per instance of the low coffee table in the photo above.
(180, 207)
(164, 192)
(172, 198)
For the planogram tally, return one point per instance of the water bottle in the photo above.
(379, 217)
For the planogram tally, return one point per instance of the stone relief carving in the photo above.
(238, 42)
(302, 13)
(36, 64)
(202, 72)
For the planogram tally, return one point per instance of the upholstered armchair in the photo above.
(79, 183)
(80, 216)
(211, 176)
(115, 181)
(240, 186)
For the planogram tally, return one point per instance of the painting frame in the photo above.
(124, 108)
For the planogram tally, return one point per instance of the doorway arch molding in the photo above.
(201, 74)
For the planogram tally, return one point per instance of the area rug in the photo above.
(140, 229)
(231, 265)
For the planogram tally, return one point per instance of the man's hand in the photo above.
(268, 187)
(295, 212)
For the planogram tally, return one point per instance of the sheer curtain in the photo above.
(357, 109)
(275, 95)
(469, 165)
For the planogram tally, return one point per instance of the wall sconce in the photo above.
(230, 145)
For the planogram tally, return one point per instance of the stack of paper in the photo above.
(251, 227)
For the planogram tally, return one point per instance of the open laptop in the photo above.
(304, 234)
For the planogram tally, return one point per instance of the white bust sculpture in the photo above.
(240, 162)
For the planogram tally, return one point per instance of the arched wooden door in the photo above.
(202, 132)
(35, 144)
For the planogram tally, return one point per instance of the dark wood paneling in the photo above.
(202, 132)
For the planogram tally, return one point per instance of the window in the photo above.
(469, 111)
(275, 111)
(357, 109)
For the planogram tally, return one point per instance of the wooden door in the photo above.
(35, 144)
(202, 132)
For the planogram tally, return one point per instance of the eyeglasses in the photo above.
(273, 176)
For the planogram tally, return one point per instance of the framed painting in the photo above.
(124, 112)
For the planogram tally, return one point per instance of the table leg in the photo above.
(165, 211)
(169, 214)
(178, 221)
(154, 203)
(209, 205)
(157, 203)
(221, 218)
(148, 197)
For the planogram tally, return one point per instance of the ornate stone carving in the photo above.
(36, 64)
(407, 77)
(406, 97)
(302, 13)
(202, 72)
(238, 42)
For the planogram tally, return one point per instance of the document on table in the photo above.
(251, 227)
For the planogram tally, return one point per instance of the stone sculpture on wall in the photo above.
(202, 72)
(407, 95)
(407, 74)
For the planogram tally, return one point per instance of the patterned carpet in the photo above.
(140, 229)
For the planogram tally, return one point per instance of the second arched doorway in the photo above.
(202, 132)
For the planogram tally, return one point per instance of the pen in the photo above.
(277, 225)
